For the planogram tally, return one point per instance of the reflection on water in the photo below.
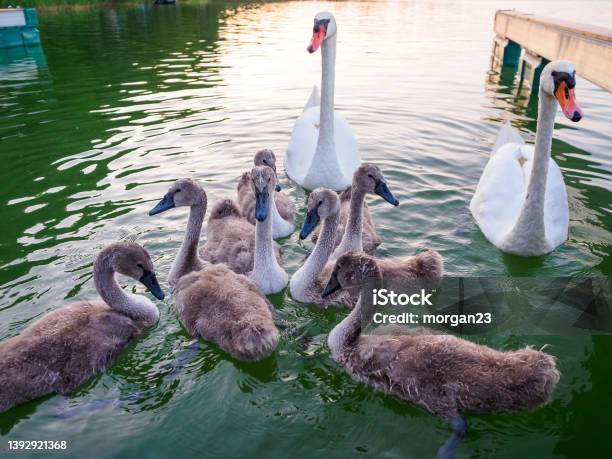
(21, 65)
(125, 100)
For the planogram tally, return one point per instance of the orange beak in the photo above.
(567, 101)
(318, 35)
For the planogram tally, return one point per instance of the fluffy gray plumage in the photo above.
(66, 347)
(212, 301)
(226, 308)
(246, 195)
(447, 375)
(231, 238)
(371, 239)
(444, 374)
(354, 209)
(308, 282)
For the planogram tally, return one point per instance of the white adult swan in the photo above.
(322, 151)
(520, 203)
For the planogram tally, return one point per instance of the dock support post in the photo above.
(505, 53)
(530, 67)
(497, 57)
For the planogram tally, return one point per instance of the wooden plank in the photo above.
(588, 47)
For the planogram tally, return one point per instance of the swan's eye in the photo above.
(265, 162)
(371, 176)
(178, 190)
(320, 202)
(140, 265)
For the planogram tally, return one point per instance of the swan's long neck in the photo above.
(529, 229)
(326, 122)
(345, 333)
(327, 165)
(320, 255)
(264, 250)
(136, 307)
(267, 273)
(187, 259)
(352, 239)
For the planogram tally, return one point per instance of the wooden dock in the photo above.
(530, 41)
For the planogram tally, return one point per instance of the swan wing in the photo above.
(335, 169)
(500, 193)
(507, 134)
(347, 150)
(556, 210)
(314, 100)
(302, 144)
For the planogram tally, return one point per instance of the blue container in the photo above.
(18, 27)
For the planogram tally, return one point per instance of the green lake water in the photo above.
(122, 100)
